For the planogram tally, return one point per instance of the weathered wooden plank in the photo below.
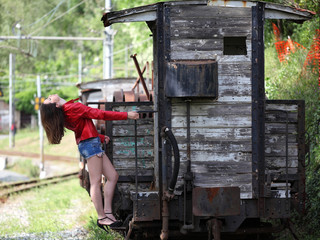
(245, 188)
(132, 108)
(213, 121)
(129, 152)
(218, 168)
(281, 117)
(209, 11)
(244, 178)
(233, 59)
(235, 99)
(217, 146)
(212, 180)
(281, 139)
(273, 150)
(120, 163)
(127, 189)
(283, 107)
(205, 109)
(236, 69)
(213, 134)
(199, 101)
(226, 80)
(279, 185)
(130, 141)
(215, 54)
(128, 130)
(235, 90)
(207, 101)
(280, 128)
(210, 156)
(282, 171)
(131, 170)
(209, 33)
(243, 181)
(280, 162)
(210, 22)
(183, 45)
(140, 122)
(195, 55)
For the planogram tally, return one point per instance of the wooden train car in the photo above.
(211, 155)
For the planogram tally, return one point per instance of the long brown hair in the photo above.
(52, 119)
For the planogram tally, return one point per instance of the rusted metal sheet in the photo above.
(192, 79)
(216, 201)
(146, 206)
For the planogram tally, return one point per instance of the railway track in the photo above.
(8, 189)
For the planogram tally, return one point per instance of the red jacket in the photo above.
(78, 118)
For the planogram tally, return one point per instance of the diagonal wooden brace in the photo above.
(140, 76)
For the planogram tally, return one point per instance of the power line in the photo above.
(29, 37)
(52, 10)
(60, 16)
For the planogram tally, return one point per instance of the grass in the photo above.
(28, 140)
(95, 233)
(25, 167)
(48, 209)
(52, 209)
(45, 208)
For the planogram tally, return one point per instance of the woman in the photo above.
(56, 114)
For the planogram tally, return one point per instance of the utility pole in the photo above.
(79, 71)
(11, 99)
(108, 47)
(126, 61)
(42, 172)
(80, 68)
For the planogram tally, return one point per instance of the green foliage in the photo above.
(291, 80)
(135, 37)
(311, 5)
(56, 62)
(24, 99)
(308, 225)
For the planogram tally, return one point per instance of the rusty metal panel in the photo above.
(219, 201)
(147, 207)
(192, 79)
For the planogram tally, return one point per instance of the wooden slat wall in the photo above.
(221, 151)
(124, 148)
(275, 138)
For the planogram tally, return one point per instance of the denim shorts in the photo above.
(90, 147)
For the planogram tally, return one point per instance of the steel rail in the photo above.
(8, 189)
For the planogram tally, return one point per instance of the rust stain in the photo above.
(226, 2)
(244, 3)
(212, 192)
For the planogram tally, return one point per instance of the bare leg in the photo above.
(95, 173)
(112, 177)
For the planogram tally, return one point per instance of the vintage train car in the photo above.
(210, 155)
